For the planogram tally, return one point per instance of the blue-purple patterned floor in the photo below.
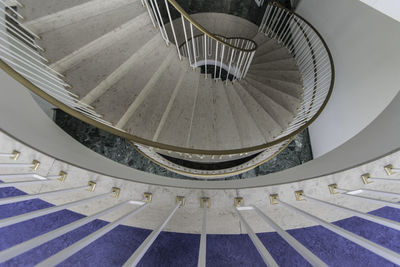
(176, 249)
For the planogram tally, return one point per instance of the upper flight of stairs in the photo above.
(117, 62)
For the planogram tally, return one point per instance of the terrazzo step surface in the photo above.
(287, 101)
(41, 8)
(63, 41)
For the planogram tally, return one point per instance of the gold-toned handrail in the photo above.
(204, 30)
(220, 35)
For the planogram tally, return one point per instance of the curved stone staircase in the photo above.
(117, 62)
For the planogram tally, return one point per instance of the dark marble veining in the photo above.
(178, 249)
(119, 150)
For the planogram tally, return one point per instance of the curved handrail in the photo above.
(82, 112)
(204, 30)
(220, 36)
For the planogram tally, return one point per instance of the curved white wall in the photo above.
(364, 44)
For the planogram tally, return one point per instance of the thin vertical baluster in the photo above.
(193, 45)
(158, 22)
(222, 58)
(280, 27)
(173, 29)
(215, 63)
(150, 13)
(205, 54)
(267, 30)
(186, 38)
(230, 64)
(162, 23)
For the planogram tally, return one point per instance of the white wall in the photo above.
(388, 7)
(365, 47)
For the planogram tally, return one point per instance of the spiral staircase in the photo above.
(133, 68)
(149, 72)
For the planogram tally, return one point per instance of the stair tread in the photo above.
(65, 40)
(146, 119)
(227, 135)
(181, 112)
(289, 102)
(92, 71)
(283, 64)
(264, 121)
(277, 54)
(292, 76)
(293, 89)
(267, 46)
(45, 7)
(117, 99)
(202, 135)
(250, 134)
(278, 113)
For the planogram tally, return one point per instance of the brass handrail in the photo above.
(204, 30)
(220, 35)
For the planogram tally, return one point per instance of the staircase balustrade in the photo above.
(205, 204)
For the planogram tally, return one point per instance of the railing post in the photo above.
(302, 250)
(266, 256)
(173, 29)
(34, 165)
(39, 240)
(389, 223)
(354, 194)
(193, 45)
(139, 253)
(204, 204)
(186, 39)
(13, 155)
(365, 243)
(9, 200)
(34, 214)
(69, 251)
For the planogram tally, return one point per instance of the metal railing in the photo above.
(202, 50)
(20, 51)
(197, 44)
(205, 207)
(313, 58)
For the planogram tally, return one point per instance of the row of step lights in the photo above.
(205, 204)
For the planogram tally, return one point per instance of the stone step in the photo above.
(63, 41)
(181, 112)
(279, 114)
(203, 135)
(277, 54)
(101, 43)
(283, 64)
(248, 130)
(267, 125)
(267, 46)
(292, 76)
(293, 89)
(95, 75)
(42, 8)
(154, 81)
(145, 120)
(116, 99)
(85, 11)
(289, 102)
(223, 121)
